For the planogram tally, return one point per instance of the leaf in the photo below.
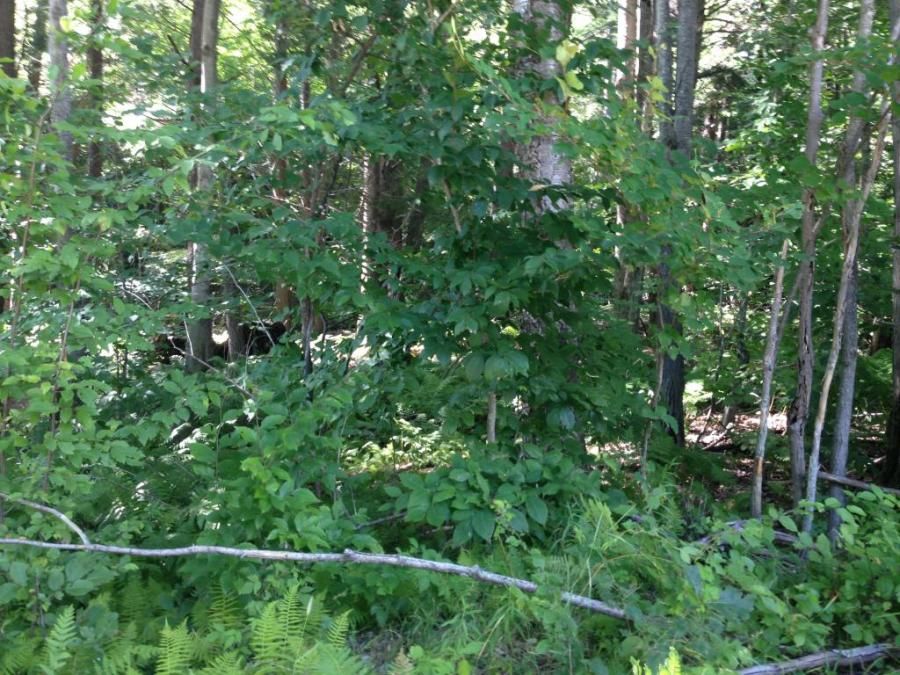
(18, 573)
(483, 524)
(565, 52)
(537, 509)
(276, 142)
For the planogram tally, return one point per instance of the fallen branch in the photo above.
(832, 657)
(347, 557)
(852, 482)
(53, 512)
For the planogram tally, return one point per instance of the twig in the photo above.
(249, 302)
(53, 512)
(832, 657)
(237, 385)
(347, 557)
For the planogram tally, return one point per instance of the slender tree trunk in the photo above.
(892, 463)
(625, 38)
(61, 94)
(38, 44)
(844, 412)
(850, 218)
(672, 375)
(765, 400)
(200, 330)
(95, 69)
(645, 59)
(8, 37)
(663, 29)
(799, 412)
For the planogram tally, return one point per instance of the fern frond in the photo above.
(19, 656)
(324, 659)
(224, 609)
(401, 665)
(268, 639)
(175, 648)
(60, 642)
(338, 631)
(225, 664)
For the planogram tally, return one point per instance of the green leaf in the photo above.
(537, 509)
(18, 573)
(483, 524)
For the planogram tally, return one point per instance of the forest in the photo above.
(449, 336)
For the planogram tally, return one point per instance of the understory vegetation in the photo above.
(388, 336)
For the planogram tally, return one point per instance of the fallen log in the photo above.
(854, 483)
(832, 657)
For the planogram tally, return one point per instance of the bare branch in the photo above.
(53, 512)
(852, 482)
(832, 657)
(347, 557)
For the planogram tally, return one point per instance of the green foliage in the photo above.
(386, 183)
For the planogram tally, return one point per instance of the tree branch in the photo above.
(347, 557)
(832, 657)
(53, 512)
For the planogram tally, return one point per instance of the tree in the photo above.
(678, 137)
(60, 91)
(799, 412)
(892, 465)
(200, 329)
(8, 36)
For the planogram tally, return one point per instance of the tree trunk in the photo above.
(663, 29)
(892, 463)
(38, 45)
(8, 36)
(200, 330)
(799, 412)
(61, 94)
(540, 160)
(851, 215)
(625, 38)
(671, 369)
(95, 69)
(844, 412)
(769, 359)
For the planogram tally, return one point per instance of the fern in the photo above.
(402, 665)
(19, 657)
(175, 646)
(223, 609)
(225, 664)
(60, 642)
(338, 631)
(325, 659)
(268, 638)
(672, 666)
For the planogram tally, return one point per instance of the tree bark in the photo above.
(8, 36)
(540, 160)
(60, 92)
(844, 412)
(95, 69)
(38, 45)
(663, 29)
(892, 459)
(799, 411)
(200, 329)
(626, 35)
